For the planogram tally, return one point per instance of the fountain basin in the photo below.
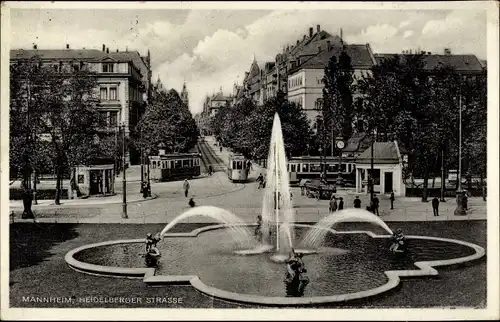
(329, 281)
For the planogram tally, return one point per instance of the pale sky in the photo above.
(213, 48)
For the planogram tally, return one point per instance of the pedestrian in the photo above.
(260, 180)
(186, 186)
(209, 169)
(191, 203)
(465, 201)
(357, 202)
(435, 206)
(221, 149)
(27, 202)
(375, 205)
(144, 189)
(392, 200)
(341, 204)
(333, 204)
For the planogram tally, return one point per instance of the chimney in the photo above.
(34, 46)
(304, 37)
(298, 41)
(67, 46)
(103, 47)
(310, 32)
(318, 28)
(429, 53)
(107, 50)
(447, 51)
(116, 49)
(329, 45)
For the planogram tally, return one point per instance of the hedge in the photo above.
(436, 192)
(42, 194)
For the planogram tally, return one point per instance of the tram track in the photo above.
(209, 157)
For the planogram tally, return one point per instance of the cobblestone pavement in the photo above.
(244, 200)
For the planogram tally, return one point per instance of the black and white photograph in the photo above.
(321, 160)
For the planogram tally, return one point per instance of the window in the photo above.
(154, 164)
(81, 178)
(113, 119)
(305, 167)
(185, 163)
(178, 164)
(113, 93)
(104, 93)
(318, 104)
(107, 68)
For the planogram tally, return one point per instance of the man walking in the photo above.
(357, 202)
(435, 206)
(333, 204)
(375, 205)
(341, 203)
(392, 200)
(186, 186)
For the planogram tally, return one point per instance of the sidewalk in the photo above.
(92, 201)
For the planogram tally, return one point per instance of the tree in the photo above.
(337, 112)
(167, 120)
(256, 129)
(71, 120)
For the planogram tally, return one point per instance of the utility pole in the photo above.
(142, 159)
(124, 213)
(460, 139)
(370, 177)
(442, 174)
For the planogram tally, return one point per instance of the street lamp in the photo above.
(148, 152)
(124, 203)
(340, 145)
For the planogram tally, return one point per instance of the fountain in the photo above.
(358, 262)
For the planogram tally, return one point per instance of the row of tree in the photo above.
(246, 128)
(55, 123)
(403, 99)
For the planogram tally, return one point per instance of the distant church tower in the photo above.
(185, 95)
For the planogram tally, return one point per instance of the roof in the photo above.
(358, 142)
(312, 47)
(220, 97)
(383, 153)
(81, 54)
(463, 63)
(361, 57)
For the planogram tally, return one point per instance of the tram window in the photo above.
(332, 168)
(288, 167)
(170, 164)
(178, 164)
(305, 167)
(294, 167)
(239, 165)
(234, 164)
(349, 168)
(154, 164)
(315, 168)
(344, 167)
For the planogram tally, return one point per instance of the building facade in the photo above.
(305, 81)
(123, 77)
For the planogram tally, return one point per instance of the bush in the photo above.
(42, 194)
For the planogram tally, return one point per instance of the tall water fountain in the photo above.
(277, 208)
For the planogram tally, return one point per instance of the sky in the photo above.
(210, 49)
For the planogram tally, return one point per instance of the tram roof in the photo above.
(237, 156)
(317, 158)
(176, 156)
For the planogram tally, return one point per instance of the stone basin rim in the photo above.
(426, 268)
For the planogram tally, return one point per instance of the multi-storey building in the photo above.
(124, 79)
(305, 79)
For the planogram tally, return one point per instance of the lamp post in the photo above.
(340, 145)
(142, 160)
(148, 152)
(124, 203)
(370, 177)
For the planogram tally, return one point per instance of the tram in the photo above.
(174, 166)
(237, 168)
(311, 167)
